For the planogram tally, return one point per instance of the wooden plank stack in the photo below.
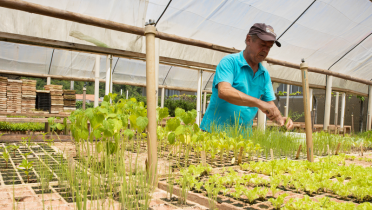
(56, 98)
(3, 86)
(28, 95)
(14, 96)
(69, 100)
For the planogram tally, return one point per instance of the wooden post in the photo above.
(338, 148)
(361, 149)
(199, 97)
(286, 110)
(84, 96)
(328, 99)
(352, 123)
(298, 152)
(240, 155)
(150, 32)
(162, 98)
(203, 158)
(328, 152)
(305, 89)
(272, 154)
(96, 79)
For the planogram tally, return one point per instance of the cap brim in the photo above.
(269, 38)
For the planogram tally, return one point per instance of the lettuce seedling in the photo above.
(277, 203)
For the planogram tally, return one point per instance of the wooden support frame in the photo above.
(102, 23)
(308, 126)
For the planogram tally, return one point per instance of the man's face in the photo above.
(258, 49)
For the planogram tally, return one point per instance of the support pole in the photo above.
(204, 103)
(369, 107)
(121, 92)
(72, 85)
(261, 120)
(343, 102)
(84, 96)
(305, 89)
(327, 110)
(150, 32)
(162, 98)
(198, 97)
(157, 48)
(127, 94)
(336, 110)
(48, 80)
(287, 103)
(311, 99)
(96, 79)
(108, 75)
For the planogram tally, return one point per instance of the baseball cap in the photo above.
(264, 32)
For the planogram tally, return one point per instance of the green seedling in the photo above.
(6, 157)
(251, 194)
(277, 203)
(26, 166)
(14, 149)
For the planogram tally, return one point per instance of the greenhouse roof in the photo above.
(332, 35)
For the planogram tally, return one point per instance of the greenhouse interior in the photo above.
(170, 104)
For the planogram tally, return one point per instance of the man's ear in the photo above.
(247, 39)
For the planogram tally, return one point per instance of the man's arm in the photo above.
(234, 96)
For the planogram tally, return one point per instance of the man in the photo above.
(242, 85)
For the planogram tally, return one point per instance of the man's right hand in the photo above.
(270, 109)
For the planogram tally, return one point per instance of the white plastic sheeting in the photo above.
(322, 35)
(32, 59)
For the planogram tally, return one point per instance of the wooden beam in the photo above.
(98, 22)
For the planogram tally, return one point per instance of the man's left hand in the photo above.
(282, 120)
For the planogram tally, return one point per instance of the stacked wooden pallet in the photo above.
(3, 86)
(28, 95)
(56, 98)
(69, 100)
(14, 96)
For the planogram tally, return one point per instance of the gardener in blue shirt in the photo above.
(242, 85)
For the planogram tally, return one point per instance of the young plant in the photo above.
(14, 149)
(277, 203)
(251, 194)
(6, 157)
(26, 166)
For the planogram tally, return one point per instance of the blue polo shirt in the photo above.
(235, 70)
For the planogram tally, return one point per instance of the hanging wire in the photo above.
(51, 60)
(349, 51)
(113, 70)
(296, 19)
(166, 75)
(208, 81)
(163, 12)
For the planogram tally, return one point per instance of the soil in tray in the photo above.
(175, 202)
(38, 190)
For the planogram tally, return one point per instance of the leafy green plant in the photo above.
(5, 156)
(14, 149)
(251, 194)
(278, 202)
(26, 166)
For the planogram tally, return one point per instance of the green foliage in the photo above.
(172, 104)
(277, 203)
(26, 166)
(8, 126)
(5, 156)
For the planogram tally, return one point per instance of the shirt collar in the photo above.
(242, 62)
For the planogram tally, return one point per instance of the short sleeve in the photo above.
(269, 94)
(224, 72)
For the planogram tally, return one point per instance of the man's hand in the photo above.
(270, 110)
(282, 121)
